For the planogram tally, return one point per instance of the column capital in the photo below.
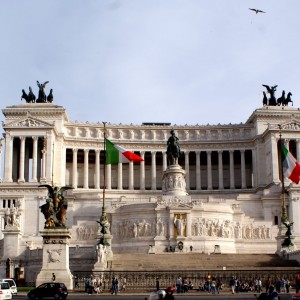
(153, 153)
(22, 138)
(242, 150)
(35, 137)
(97, 151)
(86, 150)
(186, 153)
(220, 151)
(75, 150)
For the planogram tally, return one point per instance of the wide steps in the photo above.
(198, 261)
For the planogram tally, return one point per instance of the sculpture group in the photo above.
(55, 208)
(42, 97)
(272, 101)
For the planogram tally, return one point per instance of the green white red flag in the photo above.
(117, 154)
(291, 168)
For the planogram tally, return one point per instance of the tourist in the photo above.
(297, 282)
(169, 295)
(273, 295)
(178, 284)
(232, 284)
(213, 285)
(123, 284)
(218, 285)
(53, 277)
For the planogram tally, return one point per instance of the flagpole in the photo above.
(283, 212)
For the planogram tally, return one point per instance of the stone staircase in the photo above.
(198, 261)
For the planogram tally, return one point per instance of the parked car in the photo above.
(5, 292)
(12, 284)
(54, 290)
(295, 296)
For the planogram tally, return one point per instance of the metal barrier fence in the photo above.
(145, 281)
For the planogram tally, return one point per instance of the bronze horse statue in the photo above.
(173, 149)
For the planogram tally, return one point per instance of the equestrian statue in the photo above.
(173, 149)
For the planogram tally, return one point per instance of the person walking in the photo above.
(53, 277)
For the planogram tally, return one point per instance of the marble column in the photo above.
(8, 157)
(187, 169)
(86, 169)
(97, 169)
(74, 170)
(108, 177)
(34, 158)
(243, 169)
(131, 176)
(153, 170)
(120, 176)
(231, 166)
(22, 159)
(220, 169)
(142, 171)
(164, 161)
(274, 159)
(254, 168)
(198, 171)
(209, 171)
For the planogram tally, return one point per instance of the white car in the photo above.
(5, 292)
(12, 284)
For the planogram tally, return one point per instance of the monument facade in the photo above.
(221, 187)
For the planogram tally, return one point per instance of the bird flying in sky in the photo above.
(257, 10)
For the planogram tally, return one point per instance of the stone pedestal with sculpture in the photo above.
(56, 238)
(55, 257)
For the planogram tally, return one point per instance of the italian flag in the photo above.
(117, 154)
(291, 167)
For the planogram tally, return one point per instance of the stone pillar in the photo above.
(153, 170)
(187, 169)
(74, 171)
(130, 181)
(164, 161)
(56, 257)
(274, 159)
(34, 158)
(254, 168)
(43, 178)
(220, 171)
(97, 169)
(198, 171)
(108, 177)
(22, 159)
(8, 157)
(188, 225)
(209, 171)
(120, 176)
(142, 171)
(243, 169)
(86, 169)
(231, 166)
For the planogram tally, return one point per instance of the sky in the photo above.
(134, 61)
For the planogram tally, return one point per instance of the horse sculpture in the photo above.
(288, 99)
(281, 100)
(173, 150)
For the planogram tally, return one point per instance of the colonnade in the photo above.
(204, 170)
(27, 159)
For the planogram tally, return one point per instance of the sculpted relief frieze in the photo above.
(229, 229)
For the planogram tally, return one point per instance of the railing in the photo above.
(145, 281)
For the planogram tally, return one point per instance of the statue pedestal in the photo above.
(55, 257)
(173, 182)
(106, 256)
(12, 236)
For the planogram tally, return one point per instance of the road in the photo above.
(191, 296)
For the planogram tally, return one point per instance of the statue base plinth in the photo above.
(55, 257)
(12, 236)
(173, 182)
